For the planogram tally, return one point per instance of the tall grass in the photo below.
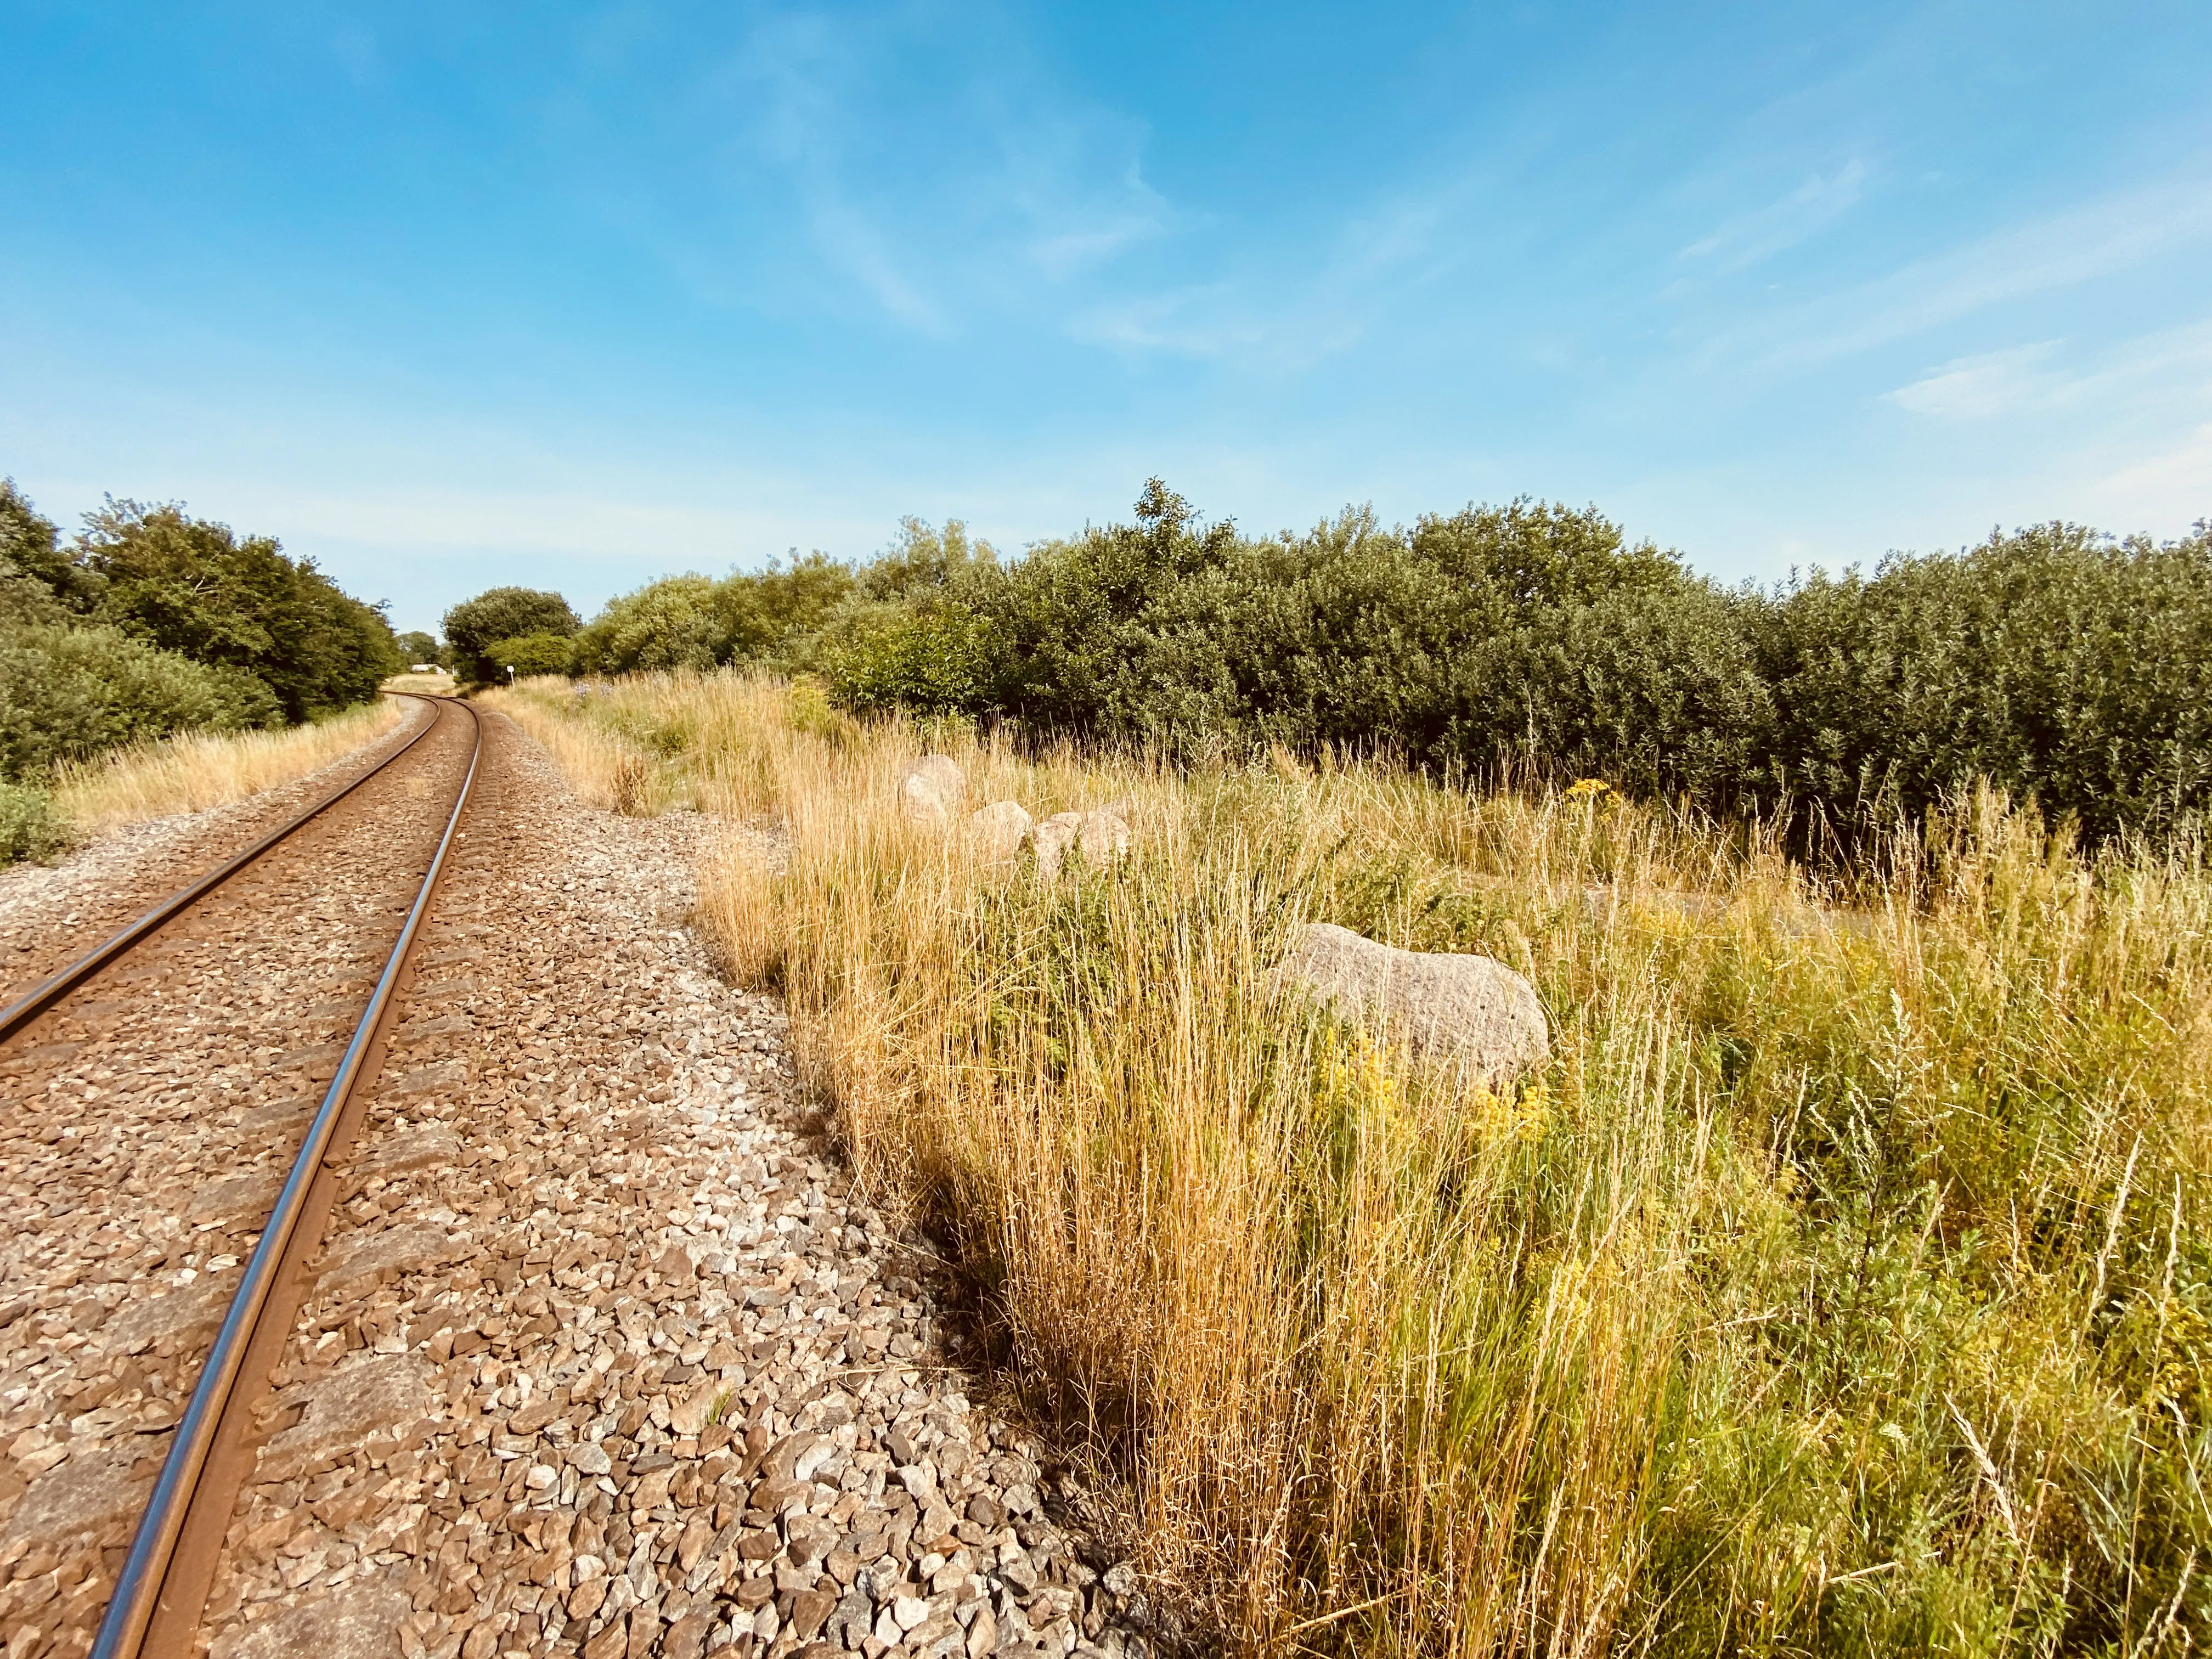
(705, 742)
(1840, 1286)
(197, 770)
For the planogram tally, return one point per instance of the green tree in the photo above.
(502, 613)
(774, 617)
(670, 623)
(925, 562)
(417, 646)
(30, 543)
(191, 587)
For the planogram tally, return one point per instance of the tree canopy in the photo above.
(502, 613)
(191, 587)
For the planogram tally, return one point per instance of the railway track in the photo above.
(599, 1359)
(278, 905)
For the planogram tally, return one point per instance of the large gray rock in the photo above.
(1464, 1009)
(1103, 835)
(1000, 830)
(931, 790)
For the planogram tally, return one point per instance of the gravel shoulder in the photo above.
(604, 1357)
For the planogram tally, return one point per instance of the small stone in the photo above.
(686, 1637)
(809, 1608)
(688, 1415)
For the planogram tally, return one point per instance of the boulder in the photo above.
(932, 789)
(1000, 830)
(1468, 1009)
(1103, 835)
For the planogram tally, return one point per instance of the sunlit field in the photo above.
(1841, 1286)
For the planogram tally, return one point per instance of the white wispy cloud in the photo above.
(956, 202)
(1990, 383)
(1764, 231)
(2146, 372)
(1324, 307)
(2113, 233)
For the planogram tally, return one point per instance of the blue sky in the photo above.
(452, 295)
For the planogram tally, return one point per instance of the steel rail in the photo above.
(51, 989)
(139, 1588)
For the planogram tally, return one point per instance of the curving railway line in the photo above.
(166, 1051)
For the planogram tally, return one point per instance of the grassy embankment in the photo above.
(1836, 1289)
(197, 770)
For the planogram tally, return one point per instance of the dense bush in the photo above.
(29, 826)
(2056, 662)
(531, 654)
(1533, 638)
(772, 616)
(68, 692)
(474, 626)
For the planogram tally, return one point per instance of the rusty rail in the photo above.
(162, 1587)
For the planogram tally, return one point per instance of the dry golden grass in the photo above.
(439, 685)
(197, 770)
(1842, 1285)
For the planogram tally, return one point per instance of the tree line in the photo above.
(149, 622)
(2054, 661)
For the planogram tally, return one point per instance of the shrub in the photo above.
(66, 693)
(771, 617)
(2067, 668)
(2056, 662)
(935, 660)
(30, 827)
(532, 653)
(671, 623)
